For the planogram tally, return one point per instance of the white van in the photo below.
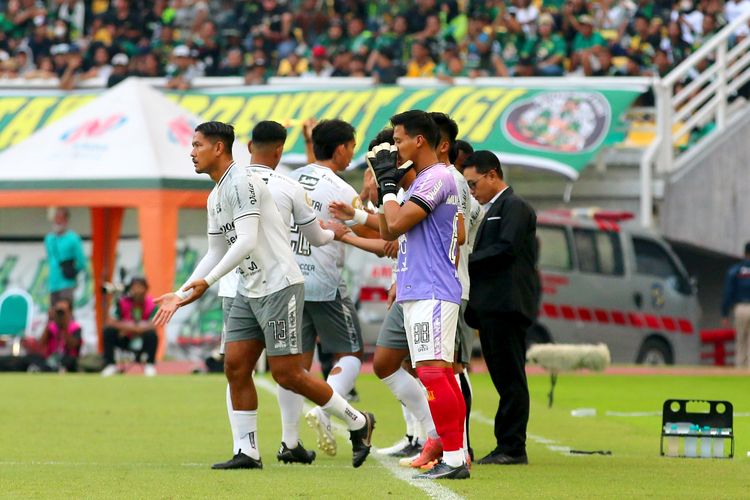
(606, 279)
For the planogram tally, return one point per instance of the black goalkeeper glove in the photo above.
(383, 162)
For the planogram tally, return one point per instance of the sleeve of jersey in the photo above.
(428, 194)
(243, 197)
(316, 235)
(246, 228)
(303, 212)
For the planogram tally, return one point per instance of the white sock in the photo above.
(463, 423)
(343, 381)
(409, 420)
(232, 423)
(454, 458)
(407, 390)
(247, 429)
(338, 407)
(290, 405)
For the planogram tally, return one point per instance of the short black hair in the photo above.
(417, 122)
(484, 161)
(218, 131)
(328, 135)
(138, 279)
(447, 126)
(459, 146)
(67, 301)
(269, 132)
(385, 135)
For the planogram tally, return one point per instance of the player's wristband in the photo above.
(182, 294)
(350, 223)
(360, 216)
(389, 197)
(381, 209)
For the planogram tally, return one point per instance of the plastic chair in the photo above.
(16, 313)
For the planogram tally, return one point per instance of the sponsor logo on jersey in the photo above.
(452, 200)
(251, 192)
(435, 190)
(308, 181)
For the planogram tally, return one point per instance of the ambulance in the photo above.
(606, 279)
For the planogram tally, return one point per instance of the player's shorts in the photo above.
(464, 336)
(271, 319)
(430, 329)
(335, 323)
(392, 334)
(226, 306)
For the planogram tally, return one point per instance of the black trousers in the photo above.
(113, 339)
(503, 339)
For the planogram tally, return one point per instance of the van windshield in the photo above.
(652, 260)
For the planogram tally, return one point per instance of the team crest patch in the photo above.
(560, 122)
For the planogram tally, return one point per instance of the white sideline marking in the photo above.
(431, 488)
(551, 444)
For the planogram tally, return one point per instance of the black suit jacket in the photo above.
(502, 266)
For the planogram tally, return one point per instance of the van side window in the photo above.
(652, 260)
(598, 252)
(554, 251)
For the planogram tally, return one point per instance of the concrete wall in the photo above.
(707, 203)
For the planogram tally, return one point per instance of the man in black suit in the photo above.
(502, 300)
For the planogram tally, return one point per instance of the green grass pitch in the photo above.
(81, 436)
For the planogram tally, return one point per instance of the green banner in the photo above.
(553, 129)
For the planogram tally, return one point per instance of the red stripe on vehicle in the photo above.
(651, 321)
(584, 314)
(568, 312)
(601, 315)
(686, 326)
(635, 319)
(669, 323)
(550, 310)
(619, 318)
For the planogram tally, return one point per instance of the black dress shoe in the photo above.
(239, 461)
(497, 458)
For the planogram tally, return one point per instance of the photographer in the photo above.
(61, 340)
(132, 328)
(64, 257)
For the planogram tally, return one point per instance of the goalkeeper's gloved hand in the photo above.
(383, 161)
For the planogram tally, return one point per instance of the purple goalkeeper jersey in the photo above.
(427, 252)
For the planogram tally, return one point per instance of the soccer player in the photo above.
(245, 230)
(472, 212)
(266, 148)
(392, 348)
(428, 228)
(329, 312)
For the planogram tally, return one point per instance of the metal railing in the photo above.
(693, 95)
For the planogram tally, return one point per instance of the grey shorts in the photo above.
(271, 319)
(335, 322)
(464, 336)
(226, 306)
(392, 333)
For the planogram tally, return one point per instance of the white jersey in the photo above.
(322, 266)
(472, 212)
(271, 266)
(293, 204)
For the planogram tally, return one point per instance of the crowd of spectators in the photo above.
(75, 40)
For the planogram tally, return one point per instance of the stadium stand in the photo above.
(76, 40)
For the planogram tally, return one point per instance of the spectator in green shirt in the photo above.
(64, 257)
(588, 45)
(546, 50)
